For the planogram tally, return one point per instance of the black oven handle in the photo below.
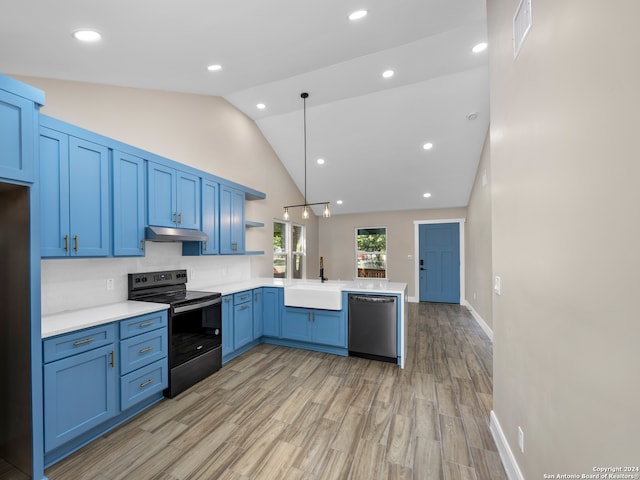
(196, 306)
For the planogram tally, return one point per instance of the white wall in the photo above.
(478, 271)
(565, 172)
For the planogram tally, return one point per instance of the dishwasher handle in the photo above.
(371, 299)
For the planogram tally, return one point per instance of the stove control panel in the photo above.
(157, 279)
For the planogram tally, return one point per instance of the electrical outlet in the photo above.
(109, 283)
(521, 439)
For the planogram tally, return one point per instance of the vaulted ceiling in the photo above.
(369, 130)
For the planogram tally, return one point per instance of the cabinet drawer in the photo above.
(241, 297)
(141, 350)
(138, 385)
(76, 342)
(142, 324)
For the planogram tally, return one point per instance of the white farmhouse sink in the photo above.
(326, 296)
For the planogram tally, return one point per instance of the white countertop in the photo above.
(370, 285)
(72, 320)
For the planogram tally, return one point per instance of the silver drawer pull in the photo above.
(144, 384)
(145, 350)
(145, 324)
(82, 342)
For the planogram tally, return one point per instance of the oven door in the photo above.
(194, 329)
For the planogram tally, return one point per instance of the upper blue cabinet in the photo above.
(19, 105)
(128, 205)
(210, 221)
(231, 220)
(74, 196)
(173, 197)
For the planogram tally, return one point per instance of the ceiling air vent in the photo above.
(521, 25)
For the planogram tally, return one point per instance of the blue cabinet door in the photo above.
(128, 205)
(272, 305)
(88, 198)
(173, 198)
(54, 193)
(227, 325)
(74, 196)
(188, 200)
(296, 324)
(231, 221)
(161, 195)
(242, 324)
(210, 214)
(329, 328)
(17, 130)
(79, 394)
(258, 313)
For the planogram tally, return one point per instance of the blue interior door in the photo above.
(440, 262)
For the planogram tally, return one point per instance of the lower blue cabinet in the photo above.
(326, 327)
(97, 377)
(258, 314)
(79, 394)
(242, 324)
(227, 325)
(272, 305)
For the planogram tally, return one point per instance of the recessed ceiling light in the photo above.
(261, 106)
(339, 202)
(358, 14)
(426, 195)
(86, 35)
(428, 146)
(388, 73)
(320, 161)
(214, 68)
(481, 47)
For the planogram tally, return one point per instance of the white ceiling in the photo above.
(369, 130)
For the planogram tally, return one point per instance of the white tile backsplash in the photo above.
(70, 284)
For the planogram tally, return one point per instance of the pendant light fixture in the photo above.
(305, 206)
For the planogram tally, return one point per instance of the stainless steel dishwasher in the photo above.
(373, 327)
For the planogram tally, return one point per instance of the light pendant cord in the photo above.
(304, 96)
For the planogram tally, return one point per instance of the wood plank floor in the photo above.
(283, 413)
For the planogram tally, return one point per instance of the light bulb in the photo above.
(285, 215)
(326, 213)
(305, 212)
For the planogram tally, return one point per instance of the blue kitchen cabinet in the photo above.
(98, 377)
(80, 383)
(258, 313)
(242, 319)
(128, 205)
(227, 325)
(272, 305)
(329, 328)
(231, 220)
(210, 222)
(74, 196)
(17, 130)
(324, 327)
(173, 197)
(296, 324)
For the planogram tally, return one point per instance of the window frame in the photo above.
(385, 252)
(289, 251)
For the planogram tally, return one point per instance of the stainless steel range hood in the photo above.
(164, 234)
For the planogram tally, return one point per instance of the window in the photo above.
(371, 252)
(288, 250)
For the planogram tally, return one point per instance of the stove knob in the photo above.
(216, 331)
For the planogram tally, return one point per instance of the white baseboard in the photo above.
(479, 319)
(506, 454)
(413, 299)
